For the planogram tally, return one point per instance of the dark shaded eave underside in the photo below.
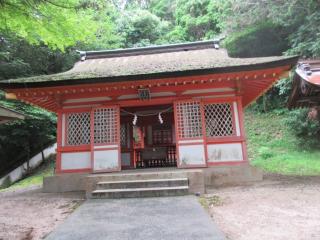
(197, 72)
(299, 100)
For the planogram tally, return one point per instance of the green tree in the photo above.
(299, 18)
(56, 23)
(198, 19)
(19, 58)
(164, 9)
(140, 28)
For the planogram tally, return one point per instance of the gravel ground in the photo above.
(28, 214)
(279, 208)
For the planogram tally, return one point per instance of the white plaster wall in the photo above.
(225, 152)
(78, 100)
(105, 160)
(34, 162)
(75, 160)
(191, 154)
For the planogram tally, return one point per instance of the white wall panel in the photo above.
(225, 152)
(191, 155)
(76, 160)
(106, 160)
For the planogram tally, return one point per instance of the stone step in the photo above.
(142, 183)
(138, 175)
(141, 192)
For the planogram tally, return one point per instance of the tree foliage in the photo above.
(19, 58)
(55, 23)
(140, 28)
(261, 40)
(304, 127)
(198, 19)
(300, 19)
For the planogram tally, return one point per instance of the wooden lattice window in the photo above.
(123, 135)
(105, 125)
(78, 128)
(189, 119)
(219, 120)
(162, 135)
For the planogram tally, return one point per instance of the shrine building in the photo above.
(168, 107)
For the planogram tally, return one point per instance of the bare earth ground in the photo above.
(29, 214)
(279, 208)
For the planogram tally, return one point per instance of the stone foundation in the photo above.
(231, 175)
(199, 179)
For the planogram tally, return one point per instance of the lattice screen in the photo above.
(78, 128)
(162, 135)
(189, 119)
(105, 125)
(123, 135)
(218, 119)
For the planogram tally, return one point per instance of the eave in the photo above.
(6, 85)
(247, 84)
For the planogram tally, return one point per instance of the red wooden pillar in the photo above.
(59, 142)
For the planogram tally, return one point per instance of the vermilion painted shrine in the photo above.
(306, 85)
(165, 106)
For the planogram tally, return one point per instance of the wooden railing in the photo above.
(156, 160)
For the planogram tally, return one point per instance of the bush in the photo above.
(261, 40)
(303, 127)
(265, 153)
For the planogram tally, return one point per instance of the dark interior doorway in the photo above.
(148, 137)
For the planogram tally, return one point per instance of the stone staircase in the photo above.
(141, 188)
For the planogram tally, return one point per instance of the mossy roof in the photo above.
(7, 114)
(140, 64)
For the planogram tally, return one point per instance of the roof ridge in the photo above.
(177, 47)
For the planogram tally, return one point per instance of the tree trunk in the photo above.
(264, 102)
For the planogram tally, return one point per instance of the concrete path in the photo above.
(179, 218)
